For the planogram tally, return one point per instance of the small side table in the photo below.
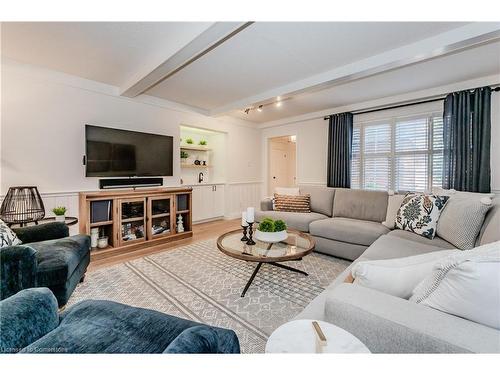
(69, 220)
(299, 336)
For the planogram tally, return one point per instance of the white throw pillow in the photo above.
(466, 285)
(287, 191)
(393, 204)
(7, 236)
(397, 277)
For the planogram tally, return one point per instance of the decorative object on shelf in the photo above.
(22, 205)
(197, 162)
(244, 225)
(204, 162)
(202, 142)
(271, 231)
(189, 141)
(180, 225)
(102, 242)
(94, 237)
(184, 156)
(250, 220)
(60, 213)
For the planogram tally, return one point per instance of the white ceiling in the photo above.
(107, 52)
(473, 63)
(266, 55)
(259, 62)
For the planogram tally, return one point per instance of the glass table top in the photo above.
(296, 246)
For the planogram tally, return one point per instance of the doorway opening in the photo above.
(282, 161)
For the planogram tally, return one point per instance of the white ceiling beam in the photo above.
(209, 39)
(439, 45)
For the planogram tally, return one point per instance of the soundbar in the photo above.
(122, 183)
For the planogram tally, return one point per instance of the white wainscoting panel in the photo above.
(240, 195)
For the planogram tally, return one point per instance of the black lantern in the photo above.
(22, 205)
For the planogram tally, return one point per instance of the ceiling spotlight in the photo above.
(278, 104)
(247, 110)
(260, 108)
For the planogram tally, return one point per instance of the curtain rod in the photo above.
(496, 89)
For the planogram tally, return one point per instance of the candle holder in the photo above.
(250, 234)
(244, 238)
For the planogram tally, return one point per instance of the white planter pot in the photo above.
(271, 237)
(60, 217)
(102, 242)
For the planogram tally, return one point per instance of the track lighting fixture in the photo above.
(260, 108)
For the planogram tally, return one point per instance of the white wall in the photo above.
(312, 141)
(311, 150)
(42, 131)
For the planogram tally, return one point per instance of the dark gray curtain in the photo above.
(339, 150)
(466, 137)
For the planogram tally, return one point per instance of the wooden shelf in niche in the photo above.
(195, 148)
(195, 166)
(182, 211)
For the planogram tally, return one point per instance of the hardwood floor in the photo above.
(201, 232)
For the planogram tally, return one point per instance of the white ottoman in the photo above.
(299, 336)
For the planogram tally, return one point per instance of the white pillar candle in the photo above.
(250, 215)
(244, 219)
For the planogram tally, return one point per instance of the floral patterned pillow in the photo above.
(419, 213)
(7, 236)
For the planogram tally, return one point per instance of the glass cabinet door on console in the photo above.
(132, 213)
(160, 219)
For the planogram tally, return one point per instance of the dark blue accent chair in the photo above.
(30, 323)
(47, 257)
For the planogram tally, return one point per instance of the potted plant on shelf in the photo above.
(184, 156)
(271, 231)
(60, 213)
(202, 142)
(189, 141)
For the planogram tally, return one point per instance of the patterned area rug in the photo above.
(200, 283)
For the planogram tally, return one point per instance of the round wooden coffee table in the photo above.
(294, 248)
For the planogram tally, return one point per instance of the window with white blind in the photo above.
(402, 154)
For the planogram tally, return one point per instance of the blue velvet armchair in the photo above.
(47, 257)
(30, 323)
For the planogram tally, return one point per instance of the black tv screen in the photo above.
(124, 153)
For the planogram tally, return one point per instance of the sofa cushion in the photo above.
(388, 247)
(354, 231)
(58, 259)
(321, 198)
(294, 220)
(109, 327)
(435, 242)
(25, 317)
(360, 204)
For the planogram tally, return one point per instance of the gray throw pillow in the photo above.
(462, 220)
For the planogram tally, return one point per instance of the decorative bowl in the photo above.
(271, 237)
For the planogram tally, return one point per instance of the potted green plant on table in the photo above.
(60, 213)
(271, 231)
(189, 141)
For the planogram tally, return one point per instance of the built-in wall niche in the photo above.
(206, 154)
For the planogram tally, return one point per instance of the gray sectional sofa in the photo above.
(347, 223)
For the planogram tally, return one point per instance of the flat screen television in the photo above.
(123, 153)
